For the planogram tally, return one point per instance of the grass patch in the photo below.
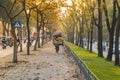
(103, 69)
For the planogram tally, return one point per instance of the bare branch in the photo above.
(5, 9)
(106, 15)
(94, 20)
(17, 14)
(114, 15)
(12, 7)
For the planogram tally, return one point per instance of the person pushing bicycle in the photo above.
(57, 41)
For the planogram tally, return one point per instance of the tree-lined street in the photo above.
(27, 25)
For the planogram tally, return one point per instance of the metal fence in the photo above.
(83, 68)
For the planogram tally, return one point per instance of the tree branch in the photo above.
(114, 15)
(5, 9)
(106, 15)
(17, 14)
(12, 6)
(95, 20)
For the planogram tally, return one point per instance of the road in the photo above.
(104, 52)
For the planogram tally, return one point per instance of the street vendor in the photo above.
(57, 41)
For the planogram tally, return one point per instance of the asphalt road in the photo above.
(104, 52)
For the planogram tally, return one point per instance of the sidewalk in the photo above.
(8, 50)
(43, 64)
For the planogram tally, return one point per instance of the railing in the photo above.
(88, 75)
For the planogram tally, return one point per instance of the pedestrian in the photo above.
(57, 41)
(18, 40)
(4, 43)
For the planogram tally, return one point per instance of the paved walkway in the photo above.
(43, 64)
(8, 50)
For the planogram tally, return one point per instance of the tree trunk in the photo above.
(91, 38)
(37, 20)
(39, 39)
(72, 39)
(28, 35)
(110, 50)
(117, 59)
(20, 38)
(15, 49)
(81, 32)
(35, 46)
(88, 41)
(111, 28)
(100, 51)
(76, 35)
(8, 30)
(4, 28)
(71, 34)
(117, 35)
(76, 38)
(38, 30)
(43, 36)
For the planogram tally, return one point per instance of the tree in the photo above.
(28, 7)
(117, 35)
(44, 17)
(110, 28)
(100, 51)
(3, 16)
(99, 27)
(11, 15)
